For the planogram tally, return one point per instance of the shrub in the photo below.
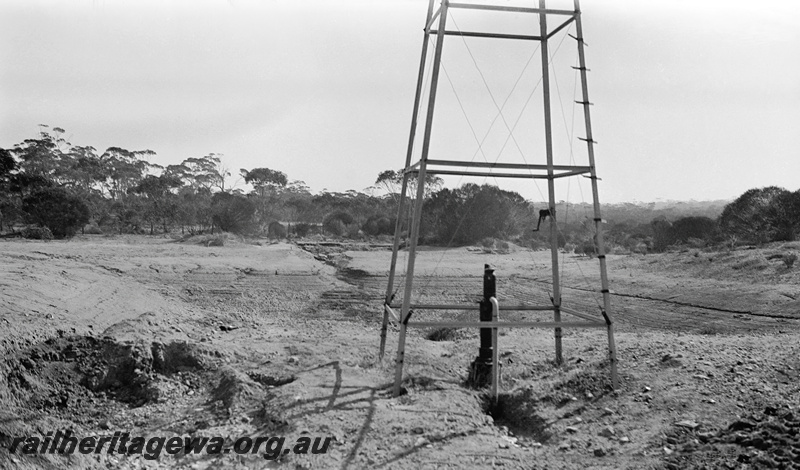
(218, 240)
(467, 215)
(232, 213)
(353, 231)
(301, 229)
(276, 230)
(762, 215)
(378, 225)
(57, 209)
(502, 246)
(586, 248)
(789, 259)
(37, 233)
(694, 229)
(444, 334)
(336, 223)
(92, 229)
(345, 217)
(663, 234)
(335, 227)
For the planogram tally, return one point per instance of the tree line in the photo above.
(52, 188)
(49, 183)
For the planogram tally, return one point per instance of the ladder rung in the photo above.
(474, 306)
(578, 39)
(505, 324)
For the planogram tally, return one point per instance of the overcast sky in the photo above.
(693, 99)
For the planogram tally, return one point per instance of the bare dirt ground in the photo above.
(157, 337)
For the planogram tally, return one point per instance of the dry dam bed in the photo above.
(149, 336)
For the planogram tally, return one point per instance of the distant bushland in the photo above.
(48, 182)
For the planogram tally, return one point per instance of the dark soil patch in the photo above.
(61, 373)
(445, 334)
(272, 380)
(518, 411)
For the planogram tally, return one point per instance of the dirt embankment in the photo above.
(157, 338)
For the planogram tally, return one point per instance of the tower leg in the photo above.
(417, 216)
(401, 355)
(550, 180)
(401, 204)
(612, 357)
(601, 253)
(393, 267)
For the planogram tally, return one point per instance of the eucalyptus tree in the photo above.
(161, 202)
(124, 170)
(268, 188)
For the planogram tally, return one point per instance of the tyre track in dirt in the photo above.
(630, 311)
(676, 302)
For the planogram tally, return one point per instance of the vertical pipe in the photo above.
(551, 191)
(489, 291)
(401, 204)
(601, 254)
(481, 373)
(495, 350)
(415, 222)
